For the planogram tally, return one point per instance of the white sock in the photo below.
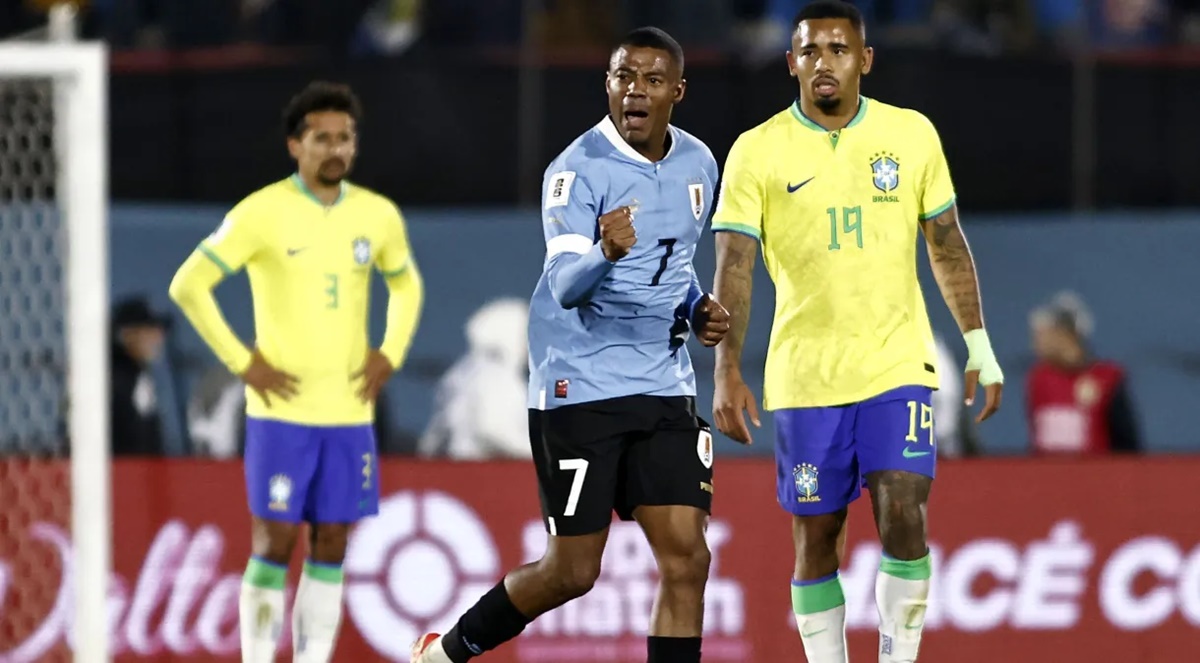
(317, 615)
(261, 610)
(901, 594)
(436, 653)
(820, 609)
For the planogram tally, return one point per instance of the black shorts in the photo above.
(615, 455)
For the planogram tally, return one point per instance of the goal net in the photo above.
(54, 463)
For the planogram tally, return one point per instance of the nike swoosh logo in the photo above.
(909, 453)
(793, 188)
(812, 633)
(292, 252)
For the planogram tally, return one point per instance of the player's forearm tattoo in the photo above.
(732, 286)
(954, 268)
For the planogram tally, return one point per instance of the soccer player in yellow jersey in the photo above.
(308, 244)
(836, 189)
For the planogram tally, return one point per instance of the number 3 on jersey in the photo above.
(331, 291)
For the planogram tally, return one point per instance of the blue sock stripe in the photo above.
(263, 560)
(809, 583)
(323, 565)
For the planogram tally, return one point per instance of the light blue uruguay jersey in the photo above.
(597, 329)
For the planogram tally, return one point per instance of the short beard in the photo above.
(827, 104)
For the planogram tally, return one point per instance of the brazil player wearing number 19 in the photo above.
(612, 410)
(308, 244)
(836, 189)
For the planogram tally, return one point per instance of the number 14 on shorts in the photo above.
(920, 419)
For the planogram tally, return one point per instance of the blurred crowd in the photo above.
(1077, 403)
(748, 28)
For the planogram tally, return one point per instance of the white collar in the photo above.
(609, 131)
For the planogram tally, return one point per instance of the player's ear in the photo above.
(791, 63)
(868, 59)
(680, 90)
(293, 144)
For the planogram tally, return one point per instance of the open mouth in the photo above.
(636, 119)
(825, 86)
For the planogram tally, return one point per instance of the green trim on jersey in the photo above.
(938, 210)
(211, 255)
(739, 228)
(803, 119)
(299, 182)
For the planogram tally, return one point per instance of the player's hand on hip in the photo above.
(710, 320)
(731, 400)
(266, 380)
(375, 373)
(617, 234)
(982, 369)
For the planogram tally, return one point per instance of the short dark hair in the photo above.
(830, 9)
(319, 96)
(651, 37)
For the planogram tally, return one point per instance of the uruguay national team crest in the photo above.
(885, 172)
(805, 476)
(362, 250)
(704, 449)
(696, 195)
(280, 491)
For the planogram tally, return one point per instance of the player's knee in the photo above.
(273, 541)
(686, 568)
(571, 579)
(328, 543)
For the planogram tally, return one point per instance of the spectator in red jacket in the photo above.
(1076, 404)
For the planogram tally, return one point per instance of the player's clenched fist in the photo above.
(617, 235)
(710, 321)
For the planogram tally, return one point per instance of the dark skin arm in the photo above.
(954, 270)
(732, 286)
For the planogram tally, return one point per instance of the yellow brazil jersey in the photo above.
(837, 213)
(309, 267)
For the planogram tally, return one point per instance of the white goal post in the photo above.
(79, 75)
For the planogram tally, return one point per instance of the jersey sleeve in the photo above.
(570, 213)
(235, 242)
(741, 199)
(937, 189)
(395, 255)
(575, 263)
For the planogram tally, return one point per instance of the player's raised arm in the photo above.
(737, 224)
(406, 296)
(575, 262)
(954, 269)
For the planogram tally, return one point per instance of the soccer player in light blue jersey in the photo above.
(612, 411)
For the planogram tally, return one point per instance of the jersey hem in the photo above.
(859, 396)
(303, 421)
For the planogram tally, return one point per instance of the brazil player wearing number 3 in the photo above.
(308, 244)
(612, 408)
(837, 189)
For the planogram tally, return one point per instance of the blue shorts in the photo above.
(823, 454)
(315, 474)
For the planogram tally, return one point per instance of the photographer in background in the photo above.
(137, 341)
(1076, 404)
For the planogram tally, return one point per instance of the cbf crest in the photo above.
(885, 175)
(696, 196)
(805, 476)
(362, 250)
(279, 490)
